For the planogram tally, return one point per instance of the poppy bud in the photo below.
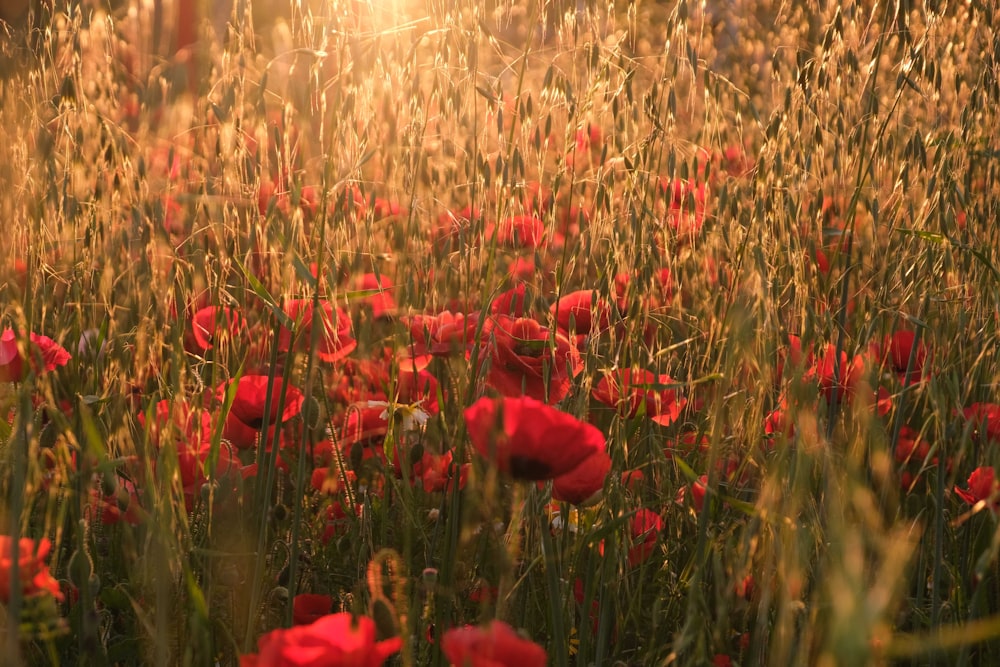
(279, 595)
(109, 483)
(80, 568)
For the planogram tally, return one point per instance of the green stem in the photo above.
(556, 598)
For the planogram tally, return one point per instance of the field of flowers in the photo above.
(500, 334)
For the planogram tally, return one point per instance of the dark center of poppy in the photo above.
(525, 467)
(255, 424)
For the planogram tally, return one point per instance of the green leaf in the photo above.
(303, 272)
(609, 528)
(933, 237)
(265, 296)
(686, 470)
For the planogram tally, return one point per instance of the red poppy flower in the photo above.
(899, 348)
(335, 340)
(336, 522)
(529, 439)
(45, 355)
(383, 208)
(418, 387)
(632, 390)
(821, 262)
(654, 296)
(527, 359)
(361, 380)
(685, 205)
(583, 484)
(382, 303)
(122, 504)
(778, 421)
(587, 140)
(352, 202)
(735, 162)
(667, 403)
(20, 275)
(583, 311)
(495, 645)
(229, 470)
(433, 471)
(246, 437)
(987, 419)
(174, 220)
(645, 530)
(844, 381)
(699, 488)
(838, 379)
(308, 608)
(246, 417)
(795, 355)
(745, 587)
(436, 473)
(203, 325)
(186, 426)
(450, 227)
(519, 231)
(511, 302)
(364, 425)
(34, 575)
(443, 333)
(190, 431)
(335, 640)
(306, 198)
(910, 447)
(983, 485)
(626, 282)
(481, 592)
(168, 161)
(327, 479)
(267, 191)
(461, 217)
(633, 479)
(251, 397)
(522, 269)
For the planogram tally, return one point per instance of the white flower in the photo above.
(410, 417)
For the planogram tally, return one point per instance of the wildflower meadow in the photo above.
(499, 334)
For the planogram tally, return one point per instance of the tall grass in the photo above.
(733, 184)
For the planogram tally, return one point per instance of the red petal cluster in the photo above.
(335, 640)
(33, 572)
(495, 645)
(530, 440)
